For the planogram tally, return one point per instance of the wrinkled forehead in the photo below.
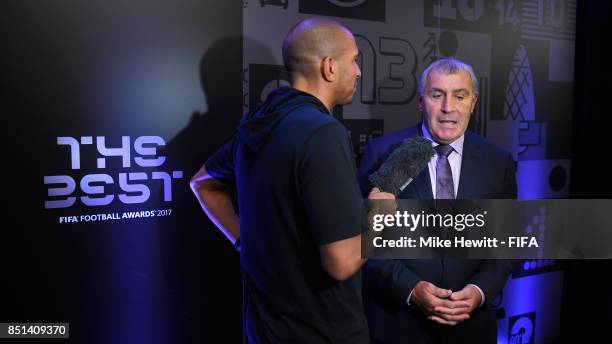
(445, 81)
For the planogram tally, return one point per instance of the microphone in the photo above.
(403, 165)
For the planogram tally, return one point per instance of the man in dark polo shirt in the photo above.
(299, 229)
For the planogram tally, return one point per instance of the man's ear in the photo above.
(329, 69)
(420, 103)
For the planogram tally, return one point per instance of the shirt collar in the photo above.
(457, 144)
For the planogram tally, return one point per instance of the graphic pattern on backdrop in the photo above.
(523, 54)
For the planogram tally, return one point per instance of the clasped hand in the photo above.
(443, 305)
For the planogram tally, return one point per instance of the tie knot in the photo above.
(443, 150)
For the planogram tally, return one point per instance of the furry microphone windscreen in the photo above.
(403, 165)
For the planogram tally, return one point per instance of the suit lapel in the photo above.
(469, 169)
(422, 184)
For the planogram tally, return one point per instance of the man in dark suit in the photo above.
(440, 300)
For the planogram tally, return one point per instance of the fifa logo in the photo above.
(96, 188)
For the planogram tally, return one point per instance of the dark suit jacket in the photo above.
(486, 172)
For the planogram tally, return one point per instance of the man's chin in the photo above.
(446, 138)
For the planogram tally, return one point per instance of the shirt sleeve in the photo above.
(221, 164)
(328, 185)
(409, 296)
(482, 295)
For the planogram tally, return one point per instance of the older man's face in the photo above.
(446, 104)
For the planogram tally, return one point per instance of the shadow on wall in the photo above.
(204, 267)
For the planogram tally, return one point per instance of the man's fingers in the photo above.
(442, 321)
(375, 193)
(462, 309)
(438, 305)
(459, 295)
(441, 293)
(457, 318)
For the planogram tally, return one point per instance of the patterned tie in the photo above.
(445, 188)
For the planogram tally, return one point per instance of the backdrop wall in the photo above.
(112, 106)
